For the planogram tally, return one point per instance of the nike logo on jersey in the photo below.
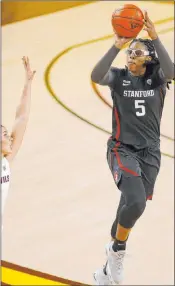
(5, 179)
(126, 82)
(138, 93)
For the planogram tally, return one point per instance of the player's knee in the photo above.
(137, 208)
(135, 196)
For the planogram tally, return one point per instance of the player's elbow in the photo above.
(95, 77)
(170, 76)
(170, 73)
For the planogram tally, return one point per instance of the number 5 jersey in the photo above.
(137, 108)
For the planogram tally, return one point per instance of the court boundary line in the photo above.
(39, 274)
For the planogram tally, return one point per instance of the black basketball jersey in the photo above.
(137, 108)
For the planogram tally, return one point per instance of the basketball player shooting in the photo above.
(138, 92)
(10, 144)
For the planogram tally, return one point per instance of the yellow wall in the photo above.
(13, 11)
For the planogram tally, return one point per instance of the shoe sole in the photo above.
(96, 282)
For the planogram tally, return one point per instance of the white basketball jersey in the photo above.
(5, 181)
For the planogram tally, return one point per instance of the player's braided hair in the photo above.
(154, 64)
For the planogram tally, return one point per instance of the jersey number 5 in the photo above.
(139, 104)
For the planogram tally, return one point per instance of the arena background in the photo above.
(63, 199)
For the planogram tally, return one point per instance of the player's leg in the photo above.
(114, 228)
(134, 192)
(134, 201)
(127, 175)
(100, 275)
(115, 223)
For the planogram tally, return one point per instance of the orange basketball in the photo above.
(127, 21)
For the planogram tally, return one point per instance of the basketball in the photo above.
(127, 21)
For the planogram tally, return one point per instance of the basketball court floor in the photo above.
(63, 199)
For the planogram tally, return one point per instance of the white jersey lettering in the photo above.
(5, 181)
(138, 93)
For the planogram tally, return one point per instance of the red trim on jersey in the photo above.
(149, 197)
(117, 123)
(120, 163)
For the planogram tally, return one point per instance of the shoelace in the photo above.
(119, 259)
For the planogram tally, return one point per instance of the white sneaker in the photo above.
(114, 267)
(101, 278)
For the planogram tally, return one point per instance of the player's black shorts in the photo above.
(125, 160)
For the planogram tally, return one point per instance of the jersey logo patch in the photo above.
(4, 168)
(149, 81)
